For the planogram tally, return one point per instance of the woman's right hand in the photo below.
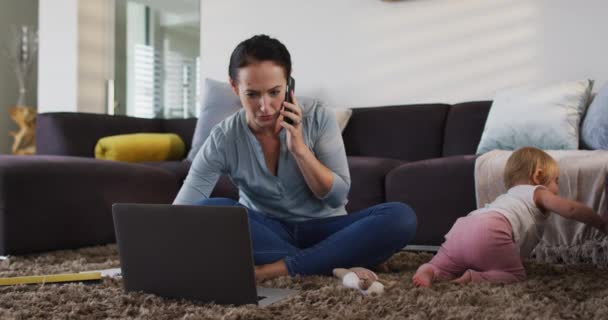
(295, 139)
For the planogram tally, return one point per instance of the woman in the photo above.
(292, 178)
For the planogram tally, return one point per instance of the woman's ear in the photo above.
(537, 177)
(235, 87)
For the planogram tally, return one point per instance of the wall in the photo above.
(14, 13)
(136, 35)
(369, 53)
(95, 54)
(58, 56)
(76, 55)
(120, 57)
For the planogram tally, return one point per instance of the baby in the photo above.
(489, 243)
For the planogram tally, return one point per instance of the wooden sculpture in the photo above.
(25, 138)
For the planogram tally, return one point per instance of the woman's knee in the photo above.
(403, 220)
(403, 215)
(216, 202)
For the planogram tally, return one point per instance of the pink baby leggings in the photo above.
(482, 245)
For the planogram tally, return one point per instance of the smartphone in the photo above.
(291, 86)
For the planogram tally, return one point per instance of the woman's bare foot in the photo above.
(383, 267)
(271, 270)
(464, 279)
(424, 276)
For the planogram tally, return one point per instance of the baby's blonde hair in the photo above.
(523, 163)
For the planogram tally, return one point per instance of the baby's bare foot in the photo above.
(424, 276)
(464, 279)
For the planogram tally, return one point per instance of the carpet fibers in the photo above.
(551, 292)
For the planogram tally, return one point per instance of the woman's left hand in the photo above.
(295, 141)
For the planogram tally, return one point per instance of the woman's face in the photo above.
(261, 87)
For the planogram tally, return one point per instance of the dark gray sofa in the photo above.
(421, 155)
(60, 202)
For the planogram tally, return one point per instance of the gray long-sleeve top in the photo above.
(232, 149)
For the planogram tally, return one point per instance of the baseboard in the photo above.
(421, 248)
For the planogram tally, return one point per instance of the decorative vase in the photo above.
(22, 49)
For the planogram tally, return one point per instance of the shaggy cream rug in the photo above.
(551, 292)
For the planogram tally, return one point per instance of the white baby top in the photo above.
(526, 219)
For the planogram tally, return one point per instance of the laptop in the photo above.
(200, 253)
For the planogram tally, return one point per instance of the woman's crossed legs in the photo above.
(365, 238)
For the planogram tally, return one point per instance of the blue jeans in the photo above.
(362, 239)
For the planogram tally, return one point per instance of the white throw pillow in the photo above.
(543, 116)
(594, 132)
(219, 101)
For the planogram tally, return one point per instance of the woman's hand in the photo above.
(295, 141)
(317, 176)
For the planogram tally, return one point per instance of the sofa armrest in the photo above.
(56, 202)
(439, 190)
(76, 133)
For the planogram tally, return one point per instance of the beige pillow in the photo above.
(342, 116)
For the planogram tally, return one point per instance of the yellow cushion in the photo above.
(140, 147)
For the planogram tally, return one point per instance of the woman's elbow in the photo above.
(335, 202)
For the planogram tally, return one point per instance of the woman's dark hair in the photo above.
(257, 49)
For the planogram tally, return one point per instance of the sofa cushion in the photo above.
(367, 175)
(439, 190)
(178, 168)
(544, 116)
(406, 132)
(184, 128)
(76, 133)
(224, 188)
(464, 126)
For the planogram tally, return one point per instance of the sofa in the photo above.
(422, 155)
